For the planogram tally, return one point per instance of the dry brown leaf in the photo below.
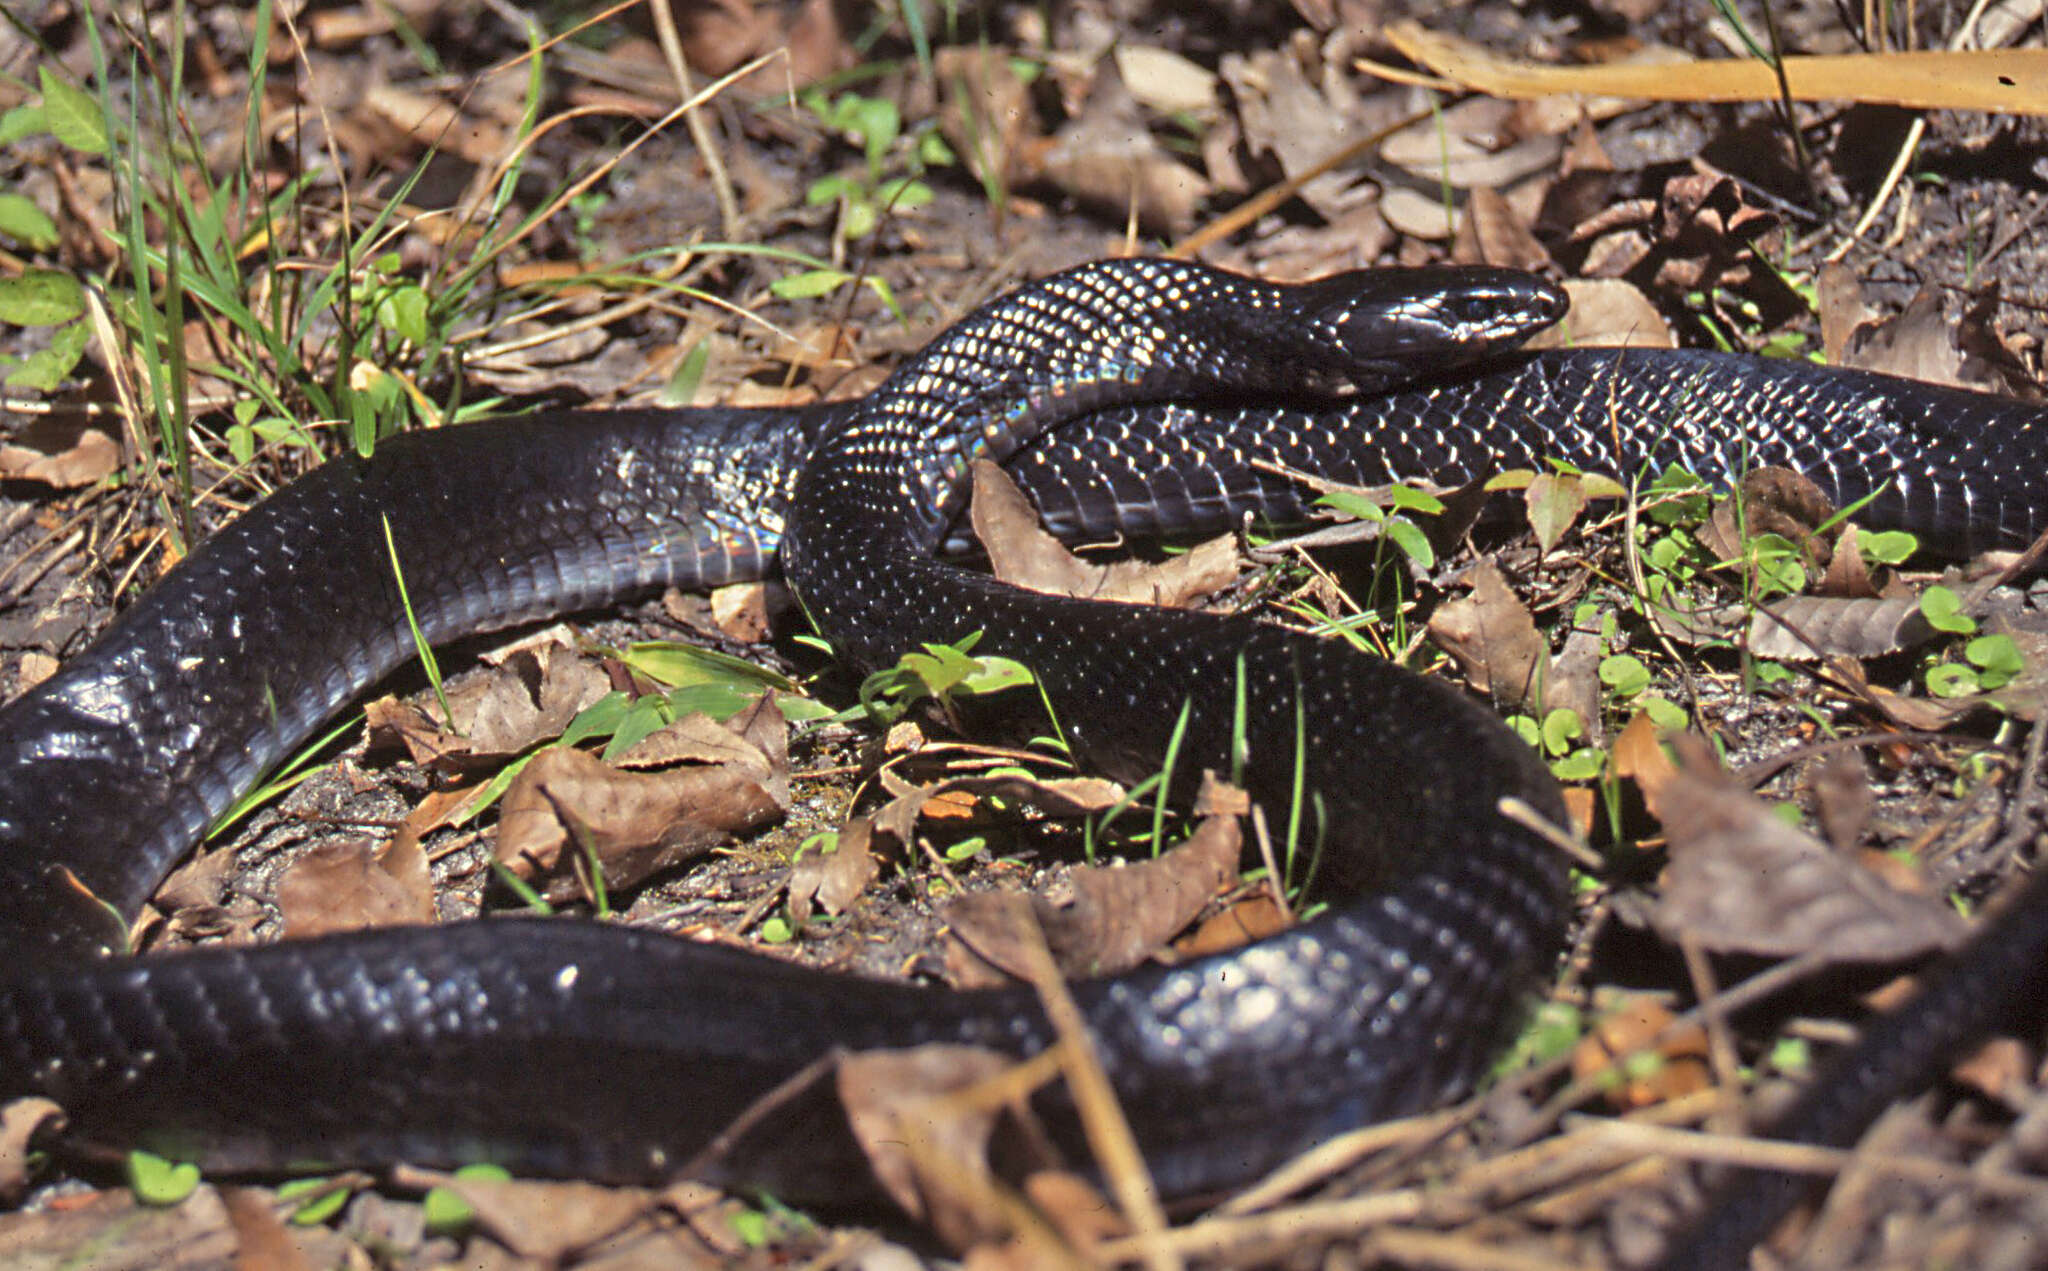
(1418, 215)
(835, 878)
(1472, 145)
(1743, 881)
(699, 738)
(1253, 918)
(549, 1221)
(1843, 800)
(1021, 552)
(2002, 1069)
(394, 724)
(985, 113)
(1847, 576)
(1803, 628)
(347, 886)
(1290, 122)
(438, 809)
(1607, 312)
(746, 611)
(1164, 81)
(262, 1241)
(1491, 234)
(64, 454)
(431, 122)
(926, 1141)
(635, 824)
(198, 883)
(1774, 501)
(20, 1119)
(1842, 310)
(1638, 755)
(1923, 342)
(1107, 158)
(1632, 1029)
(1574, 683)
(1118, 916)
(527, 698)
(2003, 80)
(1493, 639)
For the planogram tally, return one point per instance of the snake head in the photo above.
(1394, 324)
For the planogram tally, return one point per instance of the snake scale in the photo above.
(1137, 397)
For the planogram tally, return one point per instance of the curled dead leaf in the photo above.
(834, 878)
(20, 1121)
(1118, 915)
(566, 809)
(1022, 552)
(65, 454)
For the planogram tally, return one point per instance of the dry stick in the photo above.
(1215, 1239)
(1907, 149)
(1103, 1122)
(1275, 889)
(694, 119)
(1804, 1158)
(1340, 1153)
(1455, 1253)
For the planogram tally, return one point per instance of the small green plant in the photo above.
(890, 179)
(157, 1181)
(1990, 662)
(446, 1212)
(315, 1200)
(939, 673)
(1554, 737)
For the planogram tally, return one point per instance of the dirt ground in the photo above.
(550, 230)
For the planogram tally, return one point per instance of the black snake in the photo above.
(1160, 388)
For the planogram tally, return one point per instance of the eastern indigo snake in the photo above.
(1158, 389)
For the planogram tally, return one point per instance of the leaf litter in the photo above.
(1669, 230)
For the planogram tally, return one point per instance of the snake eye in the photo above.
(1513, 309)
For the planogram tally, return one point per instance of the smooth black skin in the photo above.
(249, 1059)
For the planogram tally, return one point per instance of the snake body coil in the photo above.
(1158, 388)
